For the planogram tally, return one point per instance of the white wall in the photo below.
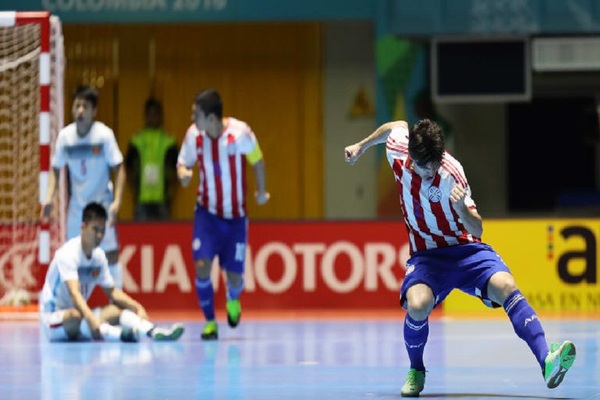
(480, 144)
(478, 139)
(349, 66)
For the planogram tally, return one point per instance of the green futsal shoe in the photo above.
(234, 312)
(211, 331)
(415, 382)
(558, 361)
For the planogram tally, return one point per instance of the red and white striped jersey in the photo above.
(430, 219)
(221, 166)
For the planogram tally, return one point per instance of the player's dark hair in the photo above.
(94, 211)
(86, 93)
(153, 103)
(426, 142)
(210, 102)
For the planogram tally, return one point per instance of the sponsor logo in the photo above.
(530, 319)
(16, 267)
(341, 267)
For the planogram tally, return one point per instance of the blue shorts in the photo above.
(467, 267)
(216, 236)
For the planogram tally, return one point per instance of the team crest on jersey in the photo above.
(95, 272)
(435, 194)
(97, 149)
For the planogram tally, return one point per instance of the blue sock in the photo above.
(527, 325)
(415, 338)
(234, 292)
(206, 297)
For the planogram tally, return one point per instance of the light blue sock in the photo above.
(206, 297)
(234, 292)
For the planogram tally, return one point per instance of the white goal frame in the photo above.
(45, 22)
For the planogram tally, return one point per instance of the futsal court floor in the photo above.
(297, 357)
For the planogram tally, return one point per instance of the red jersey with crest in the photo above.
(221, 166)
(430, 219)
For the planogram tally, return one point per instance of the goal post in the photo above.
(31, 115)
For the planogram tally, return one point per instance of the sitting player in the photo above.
(77, 267)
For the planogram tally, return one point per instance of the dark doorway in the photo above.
(551, 152)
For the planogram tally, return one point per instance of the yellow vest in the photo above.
(152, 146)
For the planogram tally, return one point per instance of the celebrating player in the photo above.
(77, 267)
(221, 147)
(444, 230)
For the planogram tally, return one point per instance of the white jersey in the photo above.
(430, 218)
(221, 166)
(71, 263)
(89, 160)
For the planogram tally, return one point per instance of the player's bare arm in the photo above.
(123, 300)
(470, 218)
(380, 135)
(184, 174)
(52, 185)
(121, 177)
(261, 195)
(82, 306)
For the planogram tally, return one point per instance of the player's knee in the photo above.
(501, 286)
(419, 310)
(71, 326)
(203, 268)
(419, 302)
(419, 306)
(73, 314)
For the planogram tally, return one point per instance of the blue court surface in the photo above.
(297, 359)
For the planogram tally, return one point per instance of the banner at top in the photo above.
(164, 11)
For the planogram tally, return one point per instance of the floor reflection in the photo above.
(295, 360)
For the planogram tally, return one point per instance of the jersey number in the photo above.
(83, 168)
(240, 251)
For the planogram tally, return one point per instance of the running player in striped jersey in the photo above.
(89, 150)
(221, 147)
(447, 253)
(77, 267)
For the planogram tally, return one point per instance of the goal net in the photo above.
(31, 115)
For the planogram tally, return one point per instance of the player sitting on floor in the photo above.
(77, 267)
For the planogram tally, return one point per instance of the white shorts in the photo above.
(51, 324)
(109, 243)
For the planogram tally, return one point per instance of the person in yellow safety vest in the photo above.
(151, 166)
